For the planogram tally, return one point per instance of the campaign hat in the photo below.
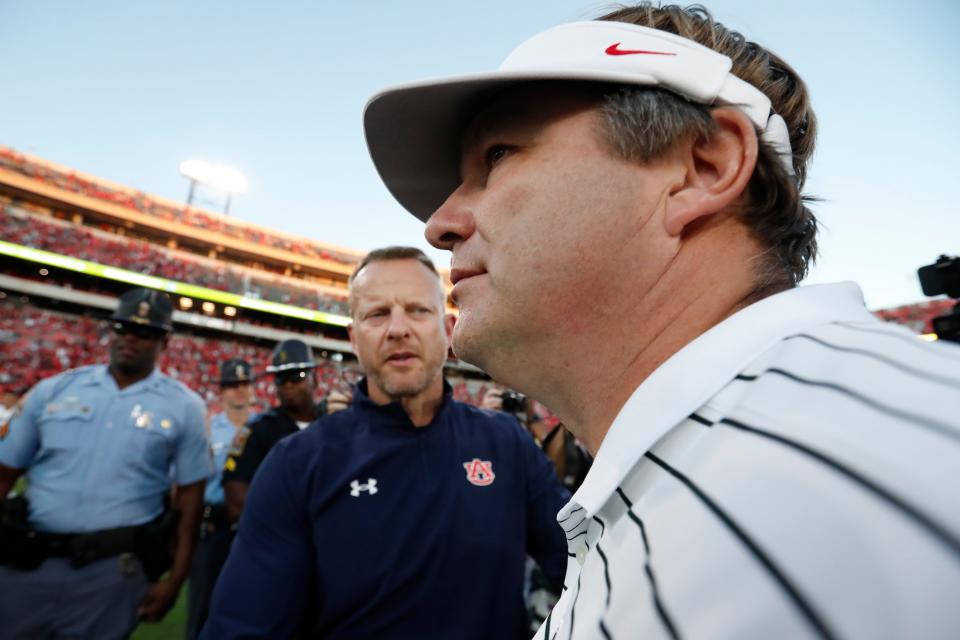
(291, 354)
(235, 370)
(145, 307)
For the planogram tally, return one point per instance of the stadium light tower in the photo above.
(217, 176)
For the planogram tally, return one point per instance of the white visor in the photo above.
(414, 130)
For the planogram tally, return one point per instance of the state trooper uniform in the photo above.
(99, 461)
(215, 532)
(252, 443)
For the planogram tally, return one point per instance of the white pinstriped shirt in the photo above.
(792, 473)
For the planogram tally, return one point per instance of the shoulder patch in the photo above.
(239, 442)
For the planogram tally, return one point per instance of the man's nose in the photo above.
(399, 326)
(452, 223)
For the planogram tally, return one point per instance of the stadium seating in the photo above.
(918, 317)
(137, 201)
(36, 343)
(19, 226)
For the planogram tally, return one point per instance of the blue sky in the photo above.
(127, 90)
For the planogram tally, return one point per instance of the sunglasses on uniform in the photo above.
(294, 376)
(140, 331)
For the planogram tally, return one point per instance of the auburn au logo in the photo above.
(479, 472)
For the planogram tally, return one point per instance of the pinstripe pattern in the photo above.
(811, 494)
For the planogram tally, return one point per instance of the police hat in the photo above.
(235, 370)
(146, 307)
(291, 354)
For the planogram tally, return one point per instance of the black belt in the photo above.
(85, 548)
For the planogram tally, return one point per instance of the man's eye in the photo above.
(495, 154)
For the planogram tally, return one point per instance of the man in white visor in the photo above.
(623, 200)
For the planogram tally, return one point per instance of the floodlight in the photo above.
(217, 176)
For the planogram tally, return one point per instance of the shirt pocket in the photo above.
(66, 429)
(153, 445)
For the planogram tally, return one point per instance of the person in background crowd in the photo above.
(571, 462)
(84, 553)
(570, 458)
(407, 515)
(292, 366)
(623, 200)
(8, 402)
(236, 393)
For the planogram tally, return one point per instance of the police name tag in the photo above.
(70, 404)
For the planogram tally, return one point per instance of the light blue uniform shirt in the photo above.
(222, 432)
(99, 457)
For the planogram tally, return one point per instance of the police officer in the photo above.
(292, 366)
(236, 393)
(100, 445)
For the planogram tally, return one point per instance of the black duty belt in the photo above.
(85, 548)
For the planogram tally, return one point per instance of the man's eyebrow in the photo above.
(489, 122)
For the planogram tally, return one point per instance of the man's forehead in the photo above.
(531, 104)
(391, 278)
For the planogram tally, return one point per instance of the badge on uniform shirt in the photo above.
(141, 419)
(479, 472)
(166, 423)
(239, 442)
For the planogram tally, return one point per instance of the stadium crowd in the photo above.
(19, 226)
(37, 343)
(919, 316)
(142, 203)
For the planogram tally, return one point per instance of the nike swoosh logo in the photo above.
(615, 50)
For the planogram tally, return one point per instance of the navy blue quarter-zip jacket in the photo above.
(364, 526)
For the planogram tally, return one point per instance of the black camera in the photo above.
(943, 277)
(513, 402)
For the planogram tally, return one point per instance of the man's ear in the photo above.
(448, 321)
(718, 169)
(350, 335)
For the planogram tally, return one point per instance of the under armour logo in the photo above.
(370, 487)
(479, 472)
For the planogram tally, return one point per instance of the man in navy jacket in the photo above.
(408, 515)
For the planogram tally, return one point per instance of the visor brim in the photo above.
(414, 131)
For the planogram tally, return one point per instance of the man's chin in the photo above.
(396, 387)
(127, 368)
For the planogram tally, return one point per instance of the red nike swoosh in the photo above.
(615, 50)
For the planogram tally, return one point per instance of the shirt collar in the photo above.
(395, 410)
(693, 375)
(103, 377)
